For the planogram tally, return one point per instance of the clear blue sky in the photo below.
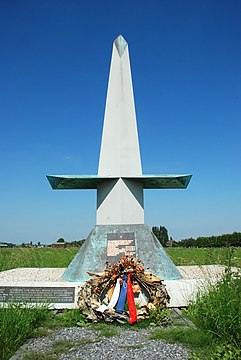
(54, 66)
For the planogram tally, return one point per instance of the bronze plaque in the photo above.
(120, 244)
(37, 294)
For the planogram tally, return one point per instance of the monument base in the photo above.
(107, 243)
(32, 286)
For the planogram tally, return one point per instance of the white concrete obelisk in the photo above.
(120, 227)
(122, 201)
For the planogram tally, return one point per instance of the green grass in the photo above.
(59, 347)
(12, 258)
(16, 325)
(135, 346)
(35, 355)
(65, 318)
(62, 346)
(217, 308)
(205, 256)
(202, 344)
(50, 257)
(198, 341)
(216, 312)
(105, 330)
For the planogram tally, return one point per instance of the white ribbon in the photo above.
(113, 300)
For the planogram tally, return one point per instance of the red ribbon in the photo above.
(131, 301)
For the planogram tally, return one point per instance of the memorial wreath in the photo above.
(123, 292)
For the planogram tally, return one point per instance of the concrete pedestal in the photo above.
(36, 285)
(110, 242)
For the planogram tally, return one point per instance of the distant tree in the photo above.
(39, 243)
(76, 243)
(161, 233)
(60, 241)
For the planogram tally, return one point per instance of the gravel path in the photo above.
(86, 344)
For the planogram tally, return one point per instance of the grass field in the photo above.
(206, 256)
(216, 312)
(12, 258)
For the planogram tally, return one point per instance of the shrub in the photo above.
(16, 324)
(217, 308)
(160, 317)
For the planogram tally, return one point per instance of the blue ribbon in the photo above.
(122, 297)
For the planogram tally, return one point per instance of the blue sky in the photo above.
(54, 66)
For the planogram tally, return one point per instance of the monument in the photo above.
(120, 228)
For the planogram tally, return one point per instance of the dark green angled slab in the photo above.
(162, 181)
(92, 181)
(76, 181)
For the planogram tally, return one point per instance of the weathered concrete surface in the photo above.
(181, 291)
(121, 203)
(120, 154)
(93, 254)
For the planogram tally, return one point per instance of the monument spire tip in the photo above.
(120, 44)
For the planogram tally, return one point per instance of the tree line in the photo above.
(233, 239)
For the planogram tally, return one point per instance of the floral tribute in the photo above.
(123, 292)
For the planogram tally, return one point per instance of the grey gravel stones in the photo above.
(87, 344)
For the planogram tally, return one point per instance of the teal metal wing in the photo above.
(76, 181)
(92, 181)
(162, 181)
